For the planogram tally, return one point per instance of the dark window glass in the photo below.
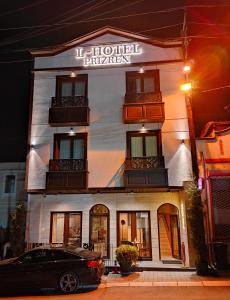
(147, 82)
(34, 256)
(10, 184)
(70, 147)
(60, 255)
(70, 87)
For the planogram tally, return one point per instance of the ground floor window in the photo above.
(135, 227)
(66, 228)
(99, 229)
(169, 237)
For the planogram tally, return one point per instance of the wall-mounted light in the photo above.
(186, 87)
(182, 141)
(71, 132)
(72, 75)
(186, 68)
(141, 70)
(143, 129)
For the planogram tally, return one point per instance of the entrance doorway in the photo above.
(169, 235)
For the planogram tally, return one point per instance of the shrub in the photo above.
(126, 256)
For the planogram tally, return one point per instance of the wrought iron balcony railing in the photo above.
(67, 165)
(151, 162)
(68, 101)
(143, 97)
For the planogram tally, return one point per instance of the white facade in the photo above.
(106, 137)
(11, 192)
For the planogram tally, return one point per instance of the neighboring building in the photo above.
(213, 149)
(12, 191)
(109, 178)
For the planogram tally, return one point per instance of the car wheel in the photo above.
(68, 282)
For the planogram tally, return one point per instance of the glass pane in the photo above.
(74, 237)
(10, 184)
(151, 145)
(79, 88)
(65, 149)
(99, 234)
(131, 85)
(58, 228)
(66, 89)
(78, 149)
(99, 209)
(143, 236)
(149, 86)
(138, 85)
(136, 146)
(124, 227)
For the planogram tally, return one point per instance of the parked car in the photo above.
(64, 268)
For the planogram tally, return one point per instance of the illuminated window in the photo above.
(99, 229)
(66, 228)
(135, 227)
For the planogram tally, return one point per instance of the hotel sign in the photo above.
(105, 55)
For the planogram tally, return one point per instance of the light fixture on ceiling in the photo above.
(143, 129)
(73, 75)
(71, 132)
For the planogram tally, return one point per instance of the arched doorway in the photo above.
(99, 229)
(169, 235)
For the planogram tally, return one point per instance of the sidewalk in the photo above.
(162, 278)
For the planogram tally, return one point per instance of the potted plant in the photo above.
(126, 256)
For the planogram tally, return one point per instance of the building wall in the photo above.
(41, 206)
(107, 133)
(8, 201)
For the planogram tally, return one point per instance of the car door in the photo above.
(29, 267)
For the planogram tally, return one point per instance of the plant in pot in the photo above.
(126, 256)
(195, 217)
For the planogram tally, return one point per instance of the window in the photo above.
(70, 147)
(70, 87)
(140, 83)
(10, 184)
(143, 144)
(34, 256)
(66, 228)
(135, 227)
(60, 255)
(99, 229)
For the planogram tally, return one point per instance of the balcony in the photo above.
(145, 172)
(69, 110)
(143, 108)
(66, 174)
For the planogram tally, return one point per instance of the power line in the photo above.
(215, 89)
(22, 8)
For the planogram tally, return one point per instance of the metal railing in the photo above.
(67, 165)
(68, 101)
(151, 162)
(142, 97)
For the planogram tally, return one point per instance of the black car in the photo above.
(50, 267)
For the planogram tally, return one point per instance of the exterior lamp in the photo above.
(187, 69)
(73, 75)
(143, 129)
(141, 70)
(71, 132)
(186, 87)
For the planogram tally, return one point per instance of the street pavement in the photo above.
(147, 285)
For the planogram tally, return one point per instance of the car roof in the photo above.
(84, 253)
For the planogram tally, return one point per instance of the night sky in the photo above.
(19, 31)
